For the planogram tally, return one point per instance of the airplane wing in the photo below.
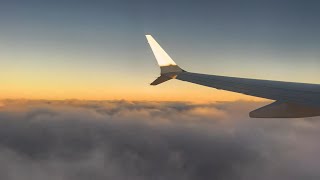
(292, 100)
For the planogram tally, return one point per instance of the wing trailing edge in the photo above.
(285, 110)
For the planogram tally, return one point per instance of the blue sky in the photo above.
(79, 44)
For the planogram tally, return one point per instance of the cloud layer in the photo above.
(152, 140)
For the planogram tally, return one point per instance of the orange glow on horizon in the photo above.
(61, 85)
(146, 94)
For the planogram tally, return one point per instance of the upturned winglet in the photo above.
(169, 69)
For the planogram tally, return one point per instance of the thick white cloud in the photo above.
(152, 140)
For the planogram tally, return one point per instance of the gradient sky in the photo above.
(97, 49)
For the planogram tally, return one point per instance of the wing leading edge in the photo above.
(293, 100)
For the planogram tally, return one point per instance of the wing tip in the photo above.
(161, 56)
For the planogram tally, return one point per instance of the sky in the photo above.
(97, 50)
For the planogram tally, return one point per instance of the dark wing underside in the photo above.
(292, 99)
